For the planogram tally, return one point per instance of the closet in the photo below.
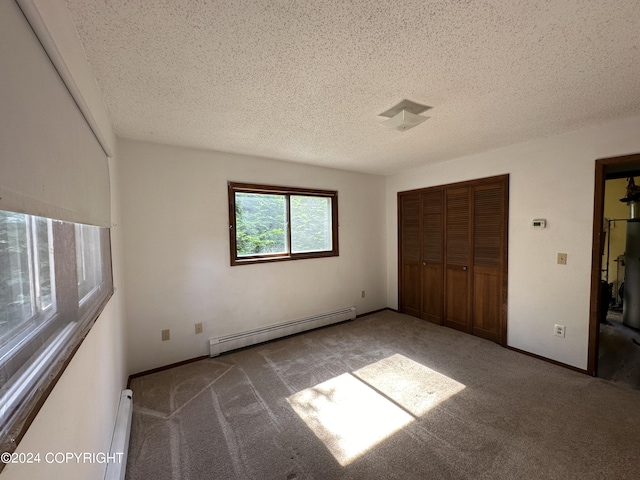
(452, 253)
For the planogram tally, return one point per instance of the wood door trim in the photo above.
(504, 180)
(445, 208)
(504, 271)
(399, 218)
(470, 266)
(596, 257)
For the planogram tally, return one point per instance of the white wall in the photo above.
(79, 414)
(551, 178)
(177, 269)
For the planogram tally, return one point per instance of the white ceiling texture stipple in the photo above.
(305, 80)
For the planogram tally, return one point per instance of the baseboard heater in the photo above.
(120, 440)
(252, 337)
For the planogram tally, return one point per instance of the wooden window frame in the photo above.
(235, 187)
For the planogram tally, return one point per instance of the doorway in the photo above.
(614, 335)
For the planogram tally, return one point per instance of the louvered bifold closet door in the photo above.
(457, 258)
(410, 238)
(488, 234)
(433, 256)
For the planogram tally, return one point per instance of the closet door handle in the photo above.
(424, 264)
(464, 269)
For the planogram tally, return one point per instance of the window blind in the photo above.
(51, 164)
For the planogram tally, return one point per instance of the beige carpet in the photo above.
(386, 396)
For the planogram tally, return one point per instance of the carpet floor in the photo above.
(386, 396)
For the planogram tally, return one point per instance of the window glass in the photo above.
(44, 261)
(16, 296)
(88, 262)
(310, 224)
(26, 272)
(260, 224)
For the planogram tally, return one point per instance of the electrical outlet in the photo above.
(198, 328)
(562, 259)
(166, 335)
(362, 293)
(559, 330)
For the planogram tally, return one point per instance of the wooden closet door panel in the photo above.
(457, 226)
(433, 293)
(433, 256)
(411, 293)
(489, 203)
(457, 258)
(456, 299)
(487, 306)
(410, 238)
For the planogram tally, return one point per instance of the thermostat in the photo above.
(539, 223)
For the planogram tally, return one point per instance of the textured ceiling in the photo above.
(305, 81)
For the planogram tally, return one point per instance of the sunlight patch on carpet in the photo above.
(409, 384)
(354, 412)
(348, 416)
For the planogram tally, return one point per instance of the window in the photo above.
(54, 279)
(88, 262)
(27, 292)
(269, 223)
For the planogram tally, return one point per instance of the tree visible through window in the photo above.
(310, 224)
(261, 224)
(279, 223)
